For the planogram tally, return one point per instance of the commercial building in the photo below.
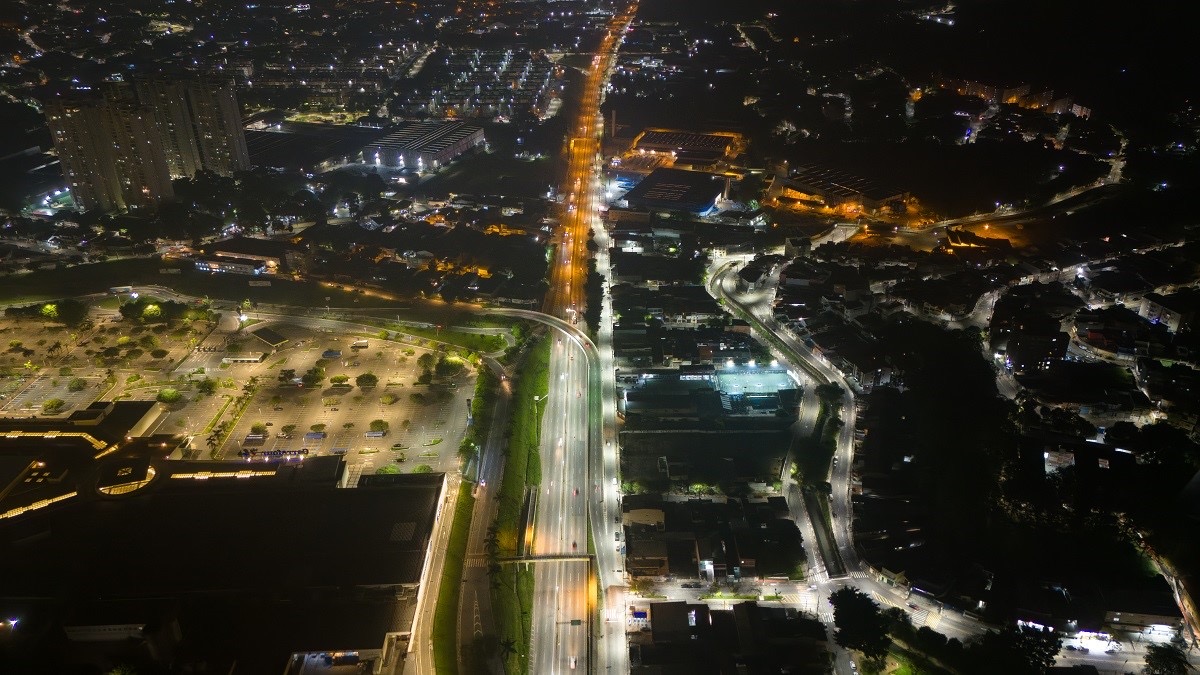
(694, 192)
(747, 637)
(253, 256)
(688, 149)
(135, 557)
(424, 145)
(822, 186)
(231, 265)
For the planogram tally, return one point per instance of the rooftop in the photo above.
(694, 191)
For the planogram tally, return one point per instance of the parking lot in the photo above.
(27, 400)
(425, 421)
(422, 430)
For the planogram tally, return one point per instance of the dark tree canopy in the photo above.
(1166, 659)
(1013, 651)
(859, 623)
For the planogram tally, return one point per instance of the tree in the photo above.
(422, 468)
(449, 367)
(287, 375)
(50, 311)
(1166, 659)
(643, 586)
(859, 623)
(348, 425)
(287, 429)
(169, 395)
(207, 386)
(339, 379)
(388, 469)
(258, 428)
(829, 394)
(388, 399)
(313, 376)
(317, 427)
(53, 406)
(898, 623)
(77, 384)
(491, 542)
(379, 425)
(1013, 651)
(508, 647)
(151, 312)
(425, 361)
(367, 380)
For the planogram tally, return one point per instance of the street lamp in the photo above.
(538, 427)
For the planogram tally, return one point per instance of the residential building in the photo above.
(120, 147)
(110, 150)
(200, 123)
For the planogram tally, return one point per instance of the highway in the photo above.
(578, 464)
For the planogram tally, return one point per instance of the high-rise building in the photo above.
(110, 152)
(200, 122)
(140, 158)
(174, 123)
(217, 125)
(120, 148)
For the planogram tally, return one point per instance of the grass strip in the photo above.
(445, 615)
(512, 597)
(212, 424)
(523, 464)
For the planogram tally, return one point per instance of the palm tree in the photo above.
(491, 542)
(508, 647)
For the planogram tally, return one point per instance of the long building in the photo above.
(424, 145)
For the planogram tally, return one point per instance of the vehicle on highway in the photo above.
(573, 546)
(576, 492)
(573, 663)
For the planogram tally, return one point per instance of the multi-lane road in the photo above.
(577, 447)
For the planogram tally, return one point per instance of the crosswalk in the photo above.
(806, 602)
(920, 617)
